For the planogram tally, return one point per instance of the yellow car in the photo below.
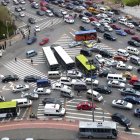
(89, 44)
(128, 75)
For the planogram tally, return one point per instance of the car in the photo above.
(132, 99)
(95, 82)
(136, 38)
(95, 23)
(130, 25)
(122, 104)
(128, 75)
(121, 32)
(114, 26)
(44, 41)
(111, 63)
(99, 58)
(129, 17)
(134, 43)
(31, 20)
(42, 91)
(8, 78)
(37, 28)
(137, 112)
(109, 36)
(69, 19)
(105, 53)
(93, 19)
(87, 14)
(43, 8)
(138, 28)
(83, 28)
(69, 6)
(35, 5)
(4, 3)
(64, 12)
(108, 28)
(21, 14)
(116, 84)
(121, 119)
(31, 40)
(31, 78)
(85, 106)
(74, 74)
(57, 14)
(30, 96)
(74, 44)
(20, 87)
(22, 8)
(49, 13)
(103, 73)
(120, 58)
(57, 86)
(89, 43)
(18, 9)
(99, 16)
(116, 11)
(99, 29)
(51, 101)
(85, 20)
(22, 2)
(129, 31)
(130, 91)
(122, 66)
(103, 89)
(40, 13)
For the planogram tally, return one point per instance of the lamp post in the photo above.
(90, 62)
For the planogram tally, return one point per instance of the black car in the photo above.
(106, 53)
(69, 6)
(31, 20)
(134, 43)
(55, 2)
(136, 23)
(132, 99)
(103, 89)
(4, 3)
(81, 15)
(138, 28)
(57, 14)
(9, 78)
(116, 12)
(88, 14)
(31, 78)
(138, 70)
(51, 101)
(22, 8)
(18, 9)
(103, 73)
(137, 112)
(109, 36)
(40, 13)
(121, 119)
(99, 29)
(130, 91)
(136, 85)
(85, 52)
(83, 28)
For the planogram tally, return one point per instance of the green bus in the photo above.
(82, 63)
(9, 109)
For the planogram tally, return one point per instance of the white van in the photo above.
(123, 52)
(96, 95)
(54, 74)
(0, 53)
(54, 109)
(66, 92)
(118, 77)
(132, 50)
(23, 102)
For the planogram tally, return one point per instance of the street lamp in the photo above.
(90, 62)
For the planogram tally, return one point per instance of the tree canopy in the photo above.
(131, 2)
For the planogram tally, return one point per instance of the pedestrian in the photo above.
(32, 61)
(5, 43)
(127, 128)
(78, 92)
(75, 16)
(34, 33)
(15, 59)
(3, 47)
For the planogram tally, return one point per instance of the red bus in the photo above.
(85, 35)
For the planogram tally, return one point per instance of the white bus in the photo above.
(64, 59)
(107, 129)
(9, 109)
(51, 60)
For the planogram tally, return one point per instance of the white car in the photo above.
(122, 66)
(85, 20)
(64, 12)
(99, 58)
(41, 91)
(116, 83)
(21, 14)
(102, 15)
(56, 86)
(95, 82)
(49, 13)
(69, 19)
(108, 28)
(130, 25)
(20, 87)
(22, 2)
(74, 74)
(30, 96)
(37, 28)
(95, 23)
(122, 104)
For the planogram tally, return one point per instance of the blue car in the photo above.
(31, 40)
(121, 32)
(132, 99)
(137, 112)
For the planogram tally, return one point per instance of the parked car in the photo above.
(99, 29)
(130, 25)
(132, 99)
(85, 20)
(30, 96)
(20, 87)
(108, 28)
(130, 91)
(122, 104)
(31, 40)
(103, 89)
(122, 66)
(43, 8)
(31, 78)
(8, 78)
(85, 106)
(83, 28)
(18, 9)
(129, 31)
(105, 53)
(49, 13)
(44, 41)
(99, 58)
(21, 14)
(120, 58)
(40, 13)
(134, 43)
(103, 73)
(116, 27)
(137, 112)
(95, 82)
(31, 20)
(109, 36)
(42, 91)
(136, 38)
(115, 83)
(121, 32)
(74, 74)
(121, 119)
(51, 101)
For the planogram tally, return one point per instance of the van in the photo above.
(43, 83)
(54, 74)
(23, 102)
(31, 53)
(54, 109)
(65, 81)
(0, 53)
(135, 60)
(132, 50)
(66, 92)
(79, 86)
(122, 52)
(118, 77)
(96, 95)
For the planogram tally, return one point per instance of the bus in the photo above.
(64, 59)
(9, 109)
(51, 59)
(106, 129)
(85, 35)
(81, 63)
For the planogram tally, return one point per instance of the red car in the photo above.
(128, 31)
(85, 106)
(44, 41)
(114, 26)
(43, 3)
(89, 2)
(43, 8)
(93, 19)
(120, 58)
(136, 38)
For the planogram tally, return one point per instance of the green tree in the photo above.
(131, 2)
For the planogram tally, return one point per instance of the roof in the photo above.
(8, 104)
(85, 32)
(51, 106)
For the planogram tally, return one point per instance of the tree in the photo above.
(131, 2)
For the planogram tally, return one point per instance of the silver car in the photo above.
(31, 96)
(116, 83)
(20, 87)
(41, 91)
